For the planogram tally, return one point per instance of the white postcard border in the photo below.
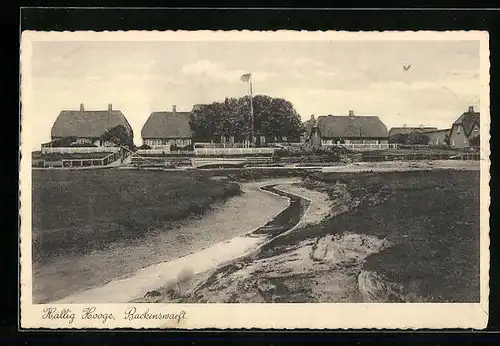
(265, 316)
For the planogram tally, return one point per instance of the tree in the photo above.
(119, 136)
(272, 117)
(475, 142)
(447, 140)
(398, 138)
(412, 138)
(417, 138)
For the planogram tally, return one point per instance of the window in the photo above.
(458, 129)
(475, 129)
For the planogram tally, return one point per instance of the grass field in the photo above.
(432, 220)
(79, 211)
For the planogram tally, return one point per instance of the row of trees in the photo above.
(273, 117)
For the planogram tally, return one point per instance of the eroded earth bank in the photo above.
(361, 237)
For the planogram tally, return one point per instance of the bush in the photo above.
(144, 147)
(412, 138)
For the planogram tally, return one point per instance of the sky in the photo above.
(318, 77)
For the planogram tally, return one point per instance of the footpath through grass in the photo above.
(79, 211)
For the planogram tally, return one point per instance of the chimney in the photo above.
(471, 109)
(351, 113)
(82, 109)
(174, 108)
(110, 107)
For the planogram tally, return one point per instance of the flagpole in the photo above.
(251, 108)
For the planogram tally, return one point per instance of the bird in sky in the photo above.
(406, 68)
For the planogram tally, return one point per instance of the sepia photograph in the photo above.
(166, 177)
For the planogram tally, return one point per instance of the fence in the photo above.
(413, 146)
(364, 146)
(91, 162)
(466, 156)
(233, 151)
(79, 150)
(164, 152)
(160, 161)
(418, 156)
(222, 145)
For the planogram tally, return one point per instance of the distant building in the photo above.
(167, 128)
(406, 130)
(87, 127)
(438, 137)
(464, 129)
(351, 129)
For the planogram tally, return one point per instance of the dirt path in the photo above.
(73, 274)
(318, 269)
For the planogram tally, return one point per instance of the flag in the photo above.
(246, 77)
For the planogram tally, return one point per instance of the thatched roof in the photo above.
(406, 130)
(438, 131)
(467, 120)
(88, 124)
(352, 126)
(167, 125)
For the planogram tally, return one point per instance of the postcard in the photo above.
(254, 179)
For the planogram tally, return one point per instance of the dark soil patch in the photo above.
(431, 217)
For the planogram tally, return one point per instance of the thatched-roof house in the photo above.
(464, 129)
(167, 128)
(87, 126)
(351, 129)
